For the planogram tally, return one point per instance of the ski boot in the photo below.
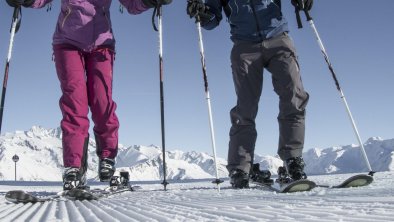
(283, 176)
(121, 181)
(260, 176)
(124, 178)
(239, 179)
(295, 168)
(106, 169)
(74, 178)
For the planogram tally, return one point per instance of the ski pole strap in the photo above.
(156, 12)
(298, 17)
(49, 6)
(308, 16)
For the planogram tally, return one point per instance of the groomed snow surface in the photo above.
(200, 201)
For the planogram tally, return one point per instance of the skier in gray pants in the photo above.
(260, 36)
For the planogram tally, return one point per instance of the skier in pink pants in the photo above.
(84, 51)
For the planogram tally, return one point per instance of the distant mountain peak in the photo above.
(374, 139)
(40, 152)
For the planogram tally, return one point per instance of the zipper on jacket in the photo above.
(68, 14)
(255, 17)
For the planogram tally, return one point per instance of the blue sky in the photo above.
(357, 34)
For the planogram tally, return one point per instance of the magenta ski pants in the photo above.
(86, 82)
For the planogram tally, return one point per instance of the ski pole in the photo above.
(158, 12)
(14, 28)
(323, 50)
(208, 98)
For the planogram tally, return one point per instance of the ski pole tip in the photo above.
(371, 173)
(218, 181)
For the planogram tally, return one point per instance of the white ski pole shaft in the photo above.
(208, 98)
(12, 36)
(15, 21)
(323, 50)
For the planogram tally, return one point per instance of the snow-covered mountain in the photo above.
(341, 159)
(40, 158)
(348, 159)
(145, 163)
(40, 154)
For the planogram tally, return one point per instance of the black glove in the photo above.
(303, 4)
(197, 8)
(153, 3)
(18, 3)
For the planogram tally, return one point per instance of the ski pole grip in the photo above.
(198, 19)
(15, 18)
(15, 15)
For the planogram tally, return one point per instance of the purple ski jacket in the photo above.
(86, 24)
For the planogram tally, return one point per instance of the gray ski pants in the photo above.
(248, 61)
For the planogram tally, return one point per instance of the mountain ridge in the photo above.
(40, 155)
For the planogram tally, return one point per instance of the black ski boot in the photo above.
(260, 176)
(121, 181)
(74, 178)
(106, 169)
(125, 179)
(283, 176)
(295, 168)
(239, 179)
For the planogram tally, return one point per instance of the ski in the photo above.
(354, 181)
(81, 194)
(99, 193)
(20, 196)
(295, 186)
(282, 184)
(306, 185)
(118, 184)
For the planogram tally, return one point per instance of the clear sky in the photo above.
(358, 36)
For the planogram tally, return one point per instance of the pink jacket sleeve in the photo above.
(134, 6)
(40, 3)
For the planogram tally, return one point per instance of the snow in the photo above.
(191, 196)
(200, 201)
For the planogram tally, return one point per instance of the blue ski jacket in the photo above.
(250, 20)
